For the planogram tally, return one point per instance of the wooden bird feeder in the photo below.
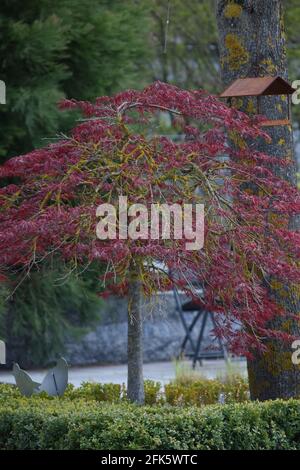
(258, 87)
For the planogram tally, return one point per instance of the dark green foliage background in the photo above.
(49, 308)
(51, 49)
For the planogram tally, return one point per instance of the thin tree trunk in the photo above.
(252, 44)
(135, 383)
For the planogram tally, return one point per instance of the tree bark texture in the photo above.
(252, 44)
(135, 383)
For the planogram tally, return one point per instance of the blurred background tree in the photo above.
(184, 38)
(50, 308)
(51, 49)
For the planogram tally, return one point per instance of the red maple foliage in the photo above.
(51, 209)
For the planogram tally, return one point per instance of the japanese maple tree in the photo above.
(50, 210)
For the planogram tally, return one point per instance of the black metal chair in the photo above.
(201, 317)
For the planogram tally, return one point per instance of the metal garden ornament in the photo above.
(54, 383)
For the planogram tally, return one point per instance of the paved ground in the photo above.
(159, 371)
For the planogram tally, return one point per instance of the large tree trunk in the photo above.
(252, 44)
(135, 383)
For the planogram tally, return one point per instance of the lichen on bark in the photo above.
(237, 54)
(233, 10)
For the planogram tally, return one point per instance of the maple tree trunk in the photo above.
(135, 382)
(252, 44)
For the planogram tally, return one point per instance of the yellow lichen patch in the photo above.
(233, 10)
(237, 54)
(281, 142)
(279, 107)
(251, 108)
(269, 66)
(282, 27)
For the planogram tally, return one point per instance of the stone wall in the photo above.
(107, 344)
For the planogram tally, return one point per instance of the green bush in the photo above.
(153, 393)
(112, 393)
(85, 423)
(206, 392)
(196, 392)
(96, 392)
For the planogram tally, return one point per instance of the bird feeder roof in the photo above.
(258, 86)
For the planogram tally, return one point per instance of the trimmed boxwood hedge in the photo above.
(42, 423)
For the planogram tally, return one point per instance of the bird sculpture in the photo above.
(54, 383)
(24, 382)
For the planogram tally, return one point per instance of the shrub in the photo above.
(195, 392)
(153, 393)
(203, 391)
(39, 423)
(112, 392)
(96, 391)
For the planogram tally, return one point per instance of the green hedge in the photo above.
(199, 392)
(206, 391)
(40, 423)
(196, 392)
